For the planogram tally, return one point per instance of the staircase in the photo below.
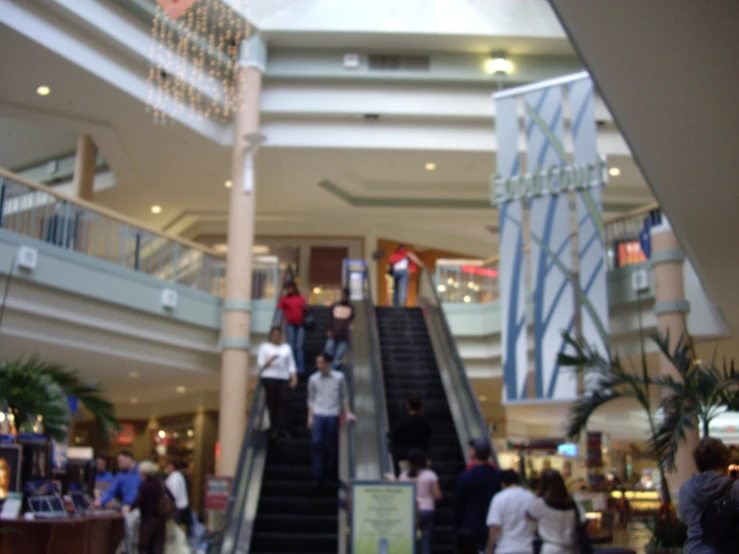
(290, 517)
(409, 367)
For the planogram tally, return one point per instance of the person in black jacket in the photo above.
(413, 432)
(153, 526)
(475, 490)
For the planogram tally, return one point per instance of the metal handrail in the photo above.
(462, 383)
(386, 461)
(245, 467)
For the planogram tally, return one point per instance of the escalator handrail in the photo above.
(256, 416)
(457, 363)
(386, 461)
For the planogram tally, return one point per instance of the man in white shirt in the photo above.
(510, 531)
(177, 485)
(277, 370)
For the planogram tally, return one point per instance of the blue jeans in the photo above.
(427, 531)
(296, 338)
(337, 349)
(325, 437)
(400, 292)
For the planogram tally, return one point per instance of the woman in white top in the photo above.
(277, 370)
(554, 512)
(428, 493)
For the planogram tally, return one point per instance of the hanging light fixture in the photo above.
(498, 64)
(195, 53)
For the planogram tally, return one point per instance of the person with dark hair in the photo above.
(556, 515)
(403, 264)
(413, 432)
(428, 493)
(476, 488)
(471, 454)
(510, 532)
(340, 319)
(294, 306)
(328, 397)
(103, 477)
(277, 371)
(176, 483)
(697, 494)
(125, 485)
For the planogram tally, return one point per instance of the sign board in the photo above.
(354, 278)
(123, 436)
(217, 489)
(383, 518)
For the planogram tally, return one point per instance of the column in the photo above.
(237, 302)
(671, 309)
(85, 165)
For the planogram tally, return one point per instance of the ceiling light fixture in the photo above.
(430, 166)
(133, 374)
(228, 184)
(162, 434)
(180, 389)
(614, 172)
(498, 64)
(467, 299)
(134, 400)
(43, 90)
(156, 209)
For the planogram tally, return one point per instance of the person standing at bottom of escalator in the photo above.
(403, 264)
(278, 374)
(294, 306)
(328, 397)
(340, 319)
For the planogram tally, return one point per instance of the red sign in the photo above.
(175, 8)
(217, 489)
(124, 436)
(477, 270)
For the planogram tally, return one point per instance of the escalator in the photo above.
(290, 517)
(410, 368)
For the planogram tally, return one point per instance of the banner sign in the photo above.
(546, 200)
(176, 8)
(217, 489)
(383, 518)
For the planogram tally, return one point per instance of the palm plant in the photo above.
(694, 397)
(35, 391)
(608, 380)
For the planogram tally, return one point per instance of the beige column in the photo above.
(671, 310)
(85, 165)
(237, 303)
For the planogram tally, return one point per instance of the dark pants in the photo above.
(278, 404)
(325, 434)
(426, 518)
(152, 534)
(184, 517)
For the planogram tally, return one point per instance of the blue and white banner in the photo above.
(535, 211)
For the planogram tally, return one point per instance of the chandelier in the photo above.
(194, 59)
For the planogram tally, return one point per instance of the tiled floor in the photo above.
(636, 537)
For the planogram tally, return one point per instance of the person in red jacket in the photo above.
(293, 307)
(403, 264)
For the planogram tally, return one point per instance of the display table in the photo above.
(82, 535)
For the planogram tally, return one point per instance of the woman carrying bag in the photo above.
(294, 308)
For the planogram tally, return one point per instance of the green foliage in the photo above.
(666, 533)
(698, 394)
(30, 388)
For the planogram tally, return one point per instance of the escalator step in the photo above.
(291, 506)
(294, 542)
(296, 524)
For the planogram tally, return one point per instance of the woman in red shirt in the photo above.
(403, 264)
(293, 307)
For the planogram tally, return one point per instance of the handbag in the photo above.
(309, 321)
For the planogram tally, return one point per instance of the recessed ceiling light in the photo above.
(134, 400)
(190, 433)
(162, 434)
(43, 90)
(156, 209)
(228, 184)
(614, 172)
(430, 166)
(181, 389)
(483, 398)
(133, 374)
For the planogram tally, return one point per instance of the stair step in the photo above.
(294, 542)
(297, 524)
(288, 505)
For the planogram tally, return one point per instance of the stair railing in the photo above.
(469, 419)
(247, 483)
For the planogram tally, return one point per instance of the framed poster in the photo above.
(10, 469)
(383, 518)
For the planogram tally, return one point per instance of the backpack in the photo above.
(166, 506)
(720, 521)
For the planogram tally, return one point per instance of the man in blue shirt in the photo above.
(103, 477)
(125, 485)
(475, 490)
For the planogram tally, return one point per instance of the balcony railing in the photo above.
(475, 281)
(41, 213)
